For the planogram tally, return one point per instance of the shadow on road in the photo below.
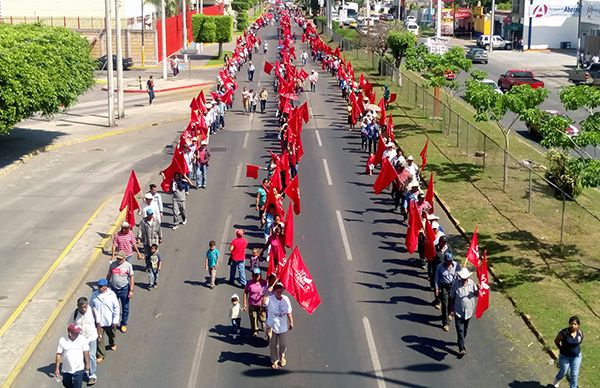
(23, 141)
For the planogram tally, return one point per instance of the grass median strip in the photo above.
(548, 281)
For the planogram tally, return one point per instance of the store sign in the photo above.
(462, 13)
(551, 8)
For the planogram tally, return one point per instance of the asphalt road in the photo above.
(374, 320)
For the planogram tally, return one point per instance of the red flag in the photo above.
(382, 117)
(132, 184)
(129, 201)
(178, 164)
(424, 155)
(411, 240)
(430, 193)
(251, 171)
(473, 253)
(304, 112)
(297, 280)
(200, 98)
(289, 227)
(276, 179)
(390, 129)
(194, 104)
(385, 177)
(132, 206)
(483, 299)
(429, 241)
(379, 152)
(292, 191)
(392, 98)
(300, 150)
(268, 67)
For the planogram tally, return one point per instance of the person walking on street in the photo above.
(251, 70)
(83, 317)
(237, 249)
(120, 278)
(157, 201)
(150, 90)
(253, 301)
(179, 188)
(234, 316)
(74, 354)
(280, 321)
(212, 262)
(463, 295)
(105, 306)
(445, 275)
(261, 198)
(313, 78)
(149, 232)
(153, 266)
(124, 241)
(149, 203)
(263, 96)
(568, 341)
(201, 158)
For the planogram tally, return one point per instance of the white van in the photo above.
(413, 27)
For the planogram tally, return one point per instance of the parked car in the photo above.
(410, 20)
(477, 55)
(590, 75)
(492, 84)
(127, 62)
(571, 130)
(518, 77)
(387, 17)
(413, 27)
(497, 43)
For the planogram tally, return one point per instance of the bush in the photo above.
(240, 6)
(224, 26)
(204, 28)
(42, 69)
(563, 171)
(242, 21)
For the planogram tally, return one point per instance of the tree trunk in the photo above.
(220, 50)
(506, 159)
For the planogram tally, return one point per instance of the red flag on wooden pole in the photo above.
(473, 253)
(385, 177)
(251, 171)
(424, 155)
(430, 193)
(411, 240)
(292, 191)
(483, 299)
(297, 280)
(429, 241)
(268, 67)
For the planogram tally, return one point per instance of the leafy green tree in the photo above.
(400, 42)
(212, 29)
(489, 105)
(42, 69)
(240, 6)
(581, 170)
(242, 20)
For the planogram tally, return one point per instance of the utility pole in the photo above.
(163, 37)
(143, 28)
(120, 93)
(328, 6)
(492, 26)
(185, 40)
(579, 33)
(438, 26)
(202, 13)
(109, 65)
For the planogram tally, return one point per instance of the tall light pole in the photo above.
(109, 65)
(143, 28)
(184, 17)
(120, 93)
(202, 13)
(579, 32)
(328, 6)
(163, 38)
(438, 27)
(492, 26)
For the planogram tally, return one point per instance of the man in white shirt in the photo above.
(83, 317)
(107, 311)
(74, 353)
(280, 321)
(390, 152)
(150, 203)
(313, 78)
(412, 168)
(156, 199)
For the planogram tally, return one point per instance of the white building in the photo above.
(70, 8)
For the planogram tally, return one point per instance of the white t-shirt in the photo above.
(72, 353)
(87, 323)
(277, 311)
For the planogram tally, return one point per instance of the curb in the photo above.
(10, 379)
(23, 159)
(526, 317)
(163, 90)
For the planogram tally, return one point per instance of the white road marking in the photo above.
(246, 139)
(327, 174)
(344, 235)
(237, 176)
(373, 351)
(197, 357)
(318, 138)
(226, 230)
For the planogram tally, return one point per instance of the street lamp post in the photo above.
(580, 6)
(163, 37)
(143, 28)
(491, 48)
(184, 17)
(438, 27)
(120, 93)
(109, 65)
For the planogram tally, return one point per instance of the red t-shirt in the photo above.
(239, 249)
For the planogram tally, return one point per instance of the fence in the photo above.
(467, 146)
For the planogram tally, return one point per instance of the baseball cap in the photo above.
(149, 212)
(256, 271)
(73, 328)
(102, 282)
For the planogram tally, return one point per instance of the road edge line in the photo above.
(40, 283)
(374, 356)
(14, 373)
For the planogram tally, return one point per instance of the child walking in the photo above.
(153, 266)
(211, 263)
(370, 164)
(234, 315)
(254, 260)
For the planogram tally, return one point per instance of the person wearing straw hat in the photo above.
(463, 295)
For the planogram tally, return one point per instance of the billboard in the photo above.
(553, 8)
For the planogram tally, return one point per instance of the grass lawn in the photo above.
(549, 281)
(216, 60)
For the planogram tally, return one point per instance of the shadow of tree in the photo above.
(23, 141)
